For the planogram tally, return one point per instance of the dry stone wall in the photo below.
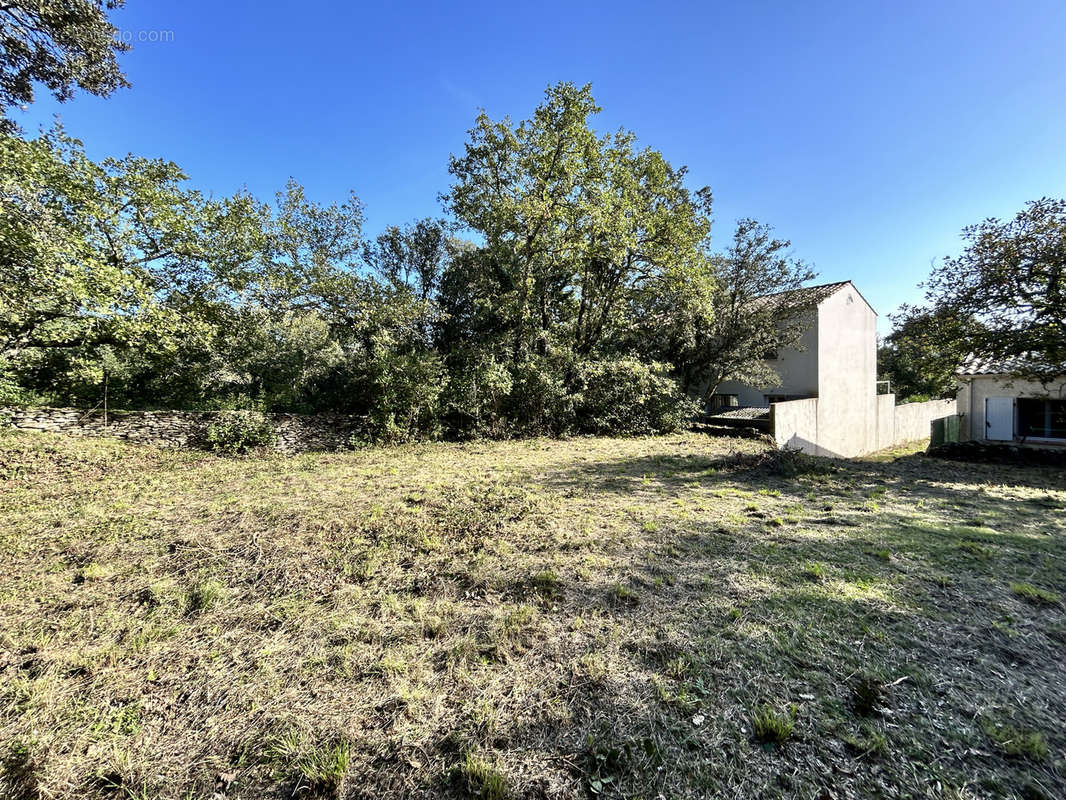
(296, 432)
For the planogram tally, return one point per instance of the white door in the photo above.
(999, 418)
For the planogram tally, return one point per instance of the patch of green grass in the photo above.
(1016, 742)
(202, 596)
(547, 584)
(869, 742)
(975, 549)
(770, 726)
(880, 553)
(815, 571)
(90, 572)
(319, 767)
(481, 779)
(678, 667)
(1035, 595)
(620, 594)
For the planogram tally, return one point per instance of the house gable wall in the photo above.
(797, 368)
(847, 373)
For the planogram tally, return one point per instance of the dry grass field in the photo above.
(668, 617)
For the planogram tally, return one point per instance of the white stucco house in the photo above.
(997, 407)
(826, 402)
(836, 356)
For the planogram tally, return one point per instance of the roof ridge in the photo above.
(808, 288)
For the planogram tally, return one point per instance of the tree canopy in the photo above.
(585, 296)
(1003, 299)
(63, 45)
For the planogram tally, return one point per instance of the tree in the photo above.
(922, 354)
(1011, 278)
(116, 253)
(573, 223)
(754, 310)
(413, 258)
(63, 44)
(582, 233)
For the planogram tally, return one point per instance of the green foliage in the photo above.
(1010, 280)
(318, 767)
(237, 431)
(547, 584)
(578, 228)
(475, 393)
(114, 254)
(61, 46)
(731, 338)
(540, 402)
(405, 393)
(591, 304)
(921, 355)
(631, 398)
(202, 596)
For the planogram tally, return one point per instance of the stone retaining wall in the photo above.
(296, 432)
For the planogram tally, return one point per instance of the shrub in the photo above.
(539, 403)
(630, 398)
(403, 393)
(474, 396)
(240, 430)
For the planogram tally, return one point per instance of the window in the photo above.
(719, 401)
(1041, 418)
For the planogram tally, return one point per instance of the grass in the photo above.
(482, 780)
(769, 726)
(546, 619)
(1015, 742)
(1034, 594)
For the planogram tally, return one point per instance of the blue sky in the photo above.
(868, 134)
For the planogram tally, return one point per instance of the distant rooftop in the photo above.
(976, 365)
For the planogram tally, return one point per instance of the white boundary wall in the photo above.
(816, 428)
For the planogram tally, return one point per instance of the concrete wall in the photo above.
(296, 432)
(912, 420)
(974, 390)
(796, 368)
(795, 424)
(801, 424)
(886, 421)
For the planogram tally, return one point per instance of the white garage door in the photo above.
(999, 418)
